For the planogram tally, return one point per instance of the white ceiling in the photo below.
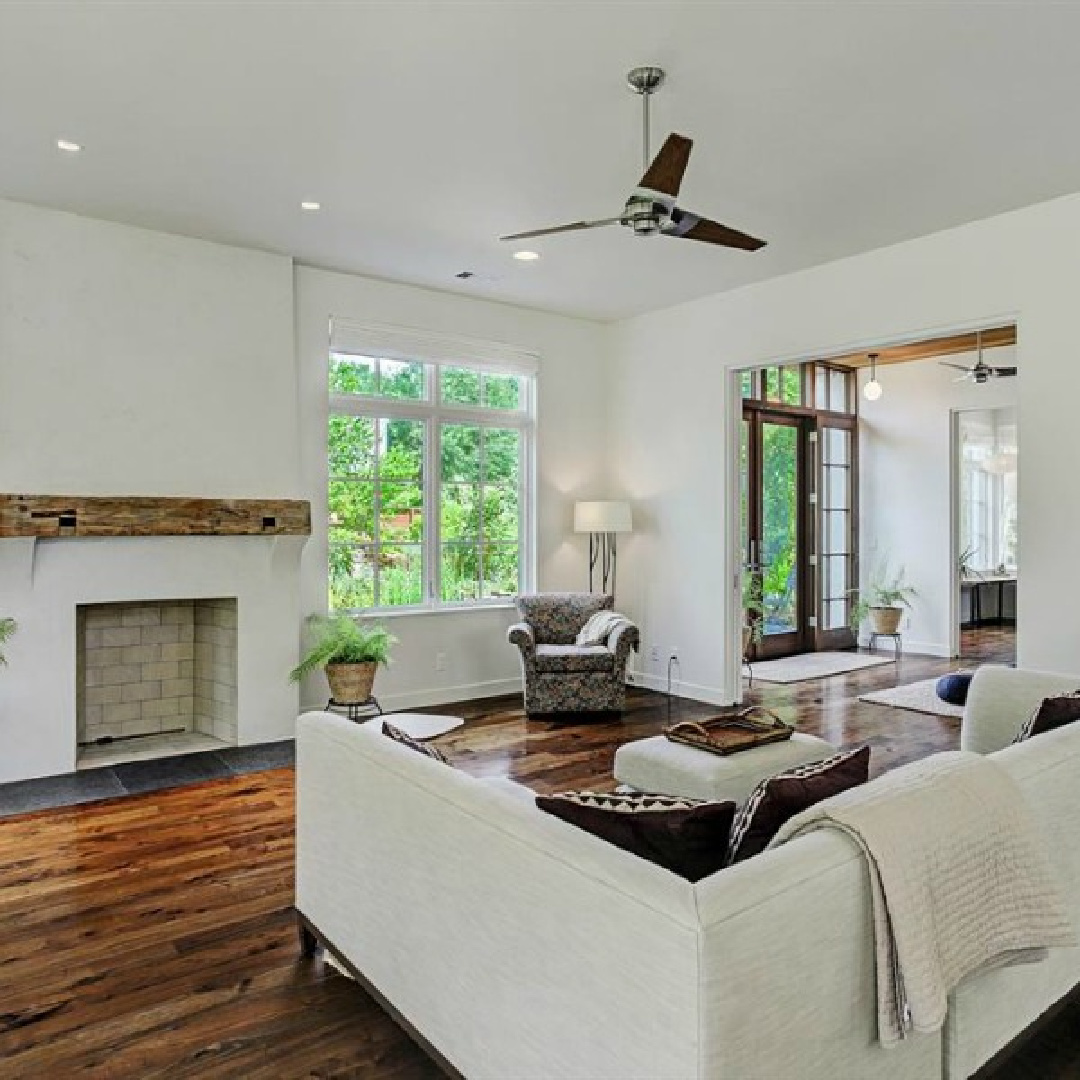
(427, 130)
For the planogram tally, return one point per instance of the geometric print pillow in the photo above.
(413, 744)
(779, 798)
(1051, 713)
(686, 836)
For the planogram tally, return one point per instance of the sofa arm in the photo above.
(521, 635)
(621, 640)
(1000, 699)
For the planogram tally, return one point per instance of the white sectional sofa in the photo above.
(521, 948)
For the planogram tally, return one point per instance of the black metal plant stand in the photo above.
(357, 710)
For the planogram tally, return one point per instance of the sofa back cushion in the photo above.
(686, 836)
(556, 618)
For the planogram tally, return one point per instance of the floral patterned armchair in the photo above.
(560, 676)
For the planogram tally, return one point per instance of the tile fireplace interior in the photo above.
(154, 679)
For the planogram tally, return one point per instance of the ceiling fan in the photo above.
(651, 208)
(980, 372)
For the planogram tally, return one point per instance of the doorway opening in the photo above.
(799, 512)
(986, 522)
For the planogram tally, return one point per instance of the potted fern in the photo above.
(7, 629)
(882, 604)
(350, 653)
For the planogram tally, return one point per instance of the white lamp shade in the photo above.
(602, 517)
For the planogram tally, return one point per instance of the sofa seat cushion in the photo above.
(685, 836)
(574, 658)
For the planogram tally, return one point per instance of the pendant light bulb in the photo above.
(872, 390)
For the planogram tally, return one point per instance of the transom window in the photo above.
(430, 493)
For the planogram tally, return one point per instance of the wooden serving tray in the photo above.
(732, 734)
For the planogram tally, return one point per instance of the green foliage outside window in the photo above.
(377, 526)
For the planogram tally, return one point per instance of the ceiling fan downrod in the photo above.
(645, 81)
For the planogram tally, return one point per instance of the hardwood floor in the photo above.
(152, 936)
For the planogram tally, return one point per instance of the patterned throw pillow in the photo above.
(780, 797)
(686, 836)
(1053, 712)
(413, 744)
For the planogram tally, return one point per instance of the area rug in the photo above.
(422, 725)
(916, 696)
(817, 665)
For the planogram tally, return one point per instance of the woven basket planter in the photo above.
(885, 620)
(350, 684)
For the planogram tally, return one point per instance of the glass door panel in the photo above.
(779, 527)
(836, 546)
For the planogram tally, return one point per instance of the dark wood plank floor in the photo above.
(153, 936)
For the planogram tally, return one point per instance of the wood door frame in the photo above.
(844, 638)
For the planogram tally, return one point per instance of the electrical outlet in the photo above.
(440, 661)
(654, 653)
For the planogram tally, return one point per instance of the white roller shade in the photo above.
(406, 343)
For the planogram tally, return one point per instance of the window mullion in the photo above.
(481, 477)
(376, 506)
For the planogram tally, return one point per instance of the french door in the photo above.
(799, 496)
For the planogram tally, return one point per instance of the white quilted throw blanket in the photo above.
(959, 875)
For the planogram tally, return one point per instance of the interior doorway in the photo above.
(799, 492)
(987, 533)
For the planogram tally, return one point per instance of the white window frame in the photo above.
(434, 413)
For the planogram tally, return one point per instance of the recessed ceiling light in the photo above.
(308, 205)
(526, 256)
(66, 144)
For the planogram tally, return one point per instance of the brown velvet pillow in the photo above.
(413, 744)
(1053, 712)
(780, 797)
(686, 836)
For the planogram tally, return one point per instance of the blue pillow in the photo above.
(953, 688)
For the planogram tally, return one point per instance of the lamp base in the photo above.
(602, 551)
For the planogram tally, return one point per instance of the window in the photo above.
(430, 493)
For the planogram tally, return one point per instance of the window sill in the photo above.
(404, 612)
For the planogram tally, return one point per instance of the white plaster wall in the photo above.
(670, 385)
(137, 363)
(906, 484)
(572, 457)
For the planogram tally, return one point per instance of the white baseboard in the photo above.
(711, 695)
(438, 695)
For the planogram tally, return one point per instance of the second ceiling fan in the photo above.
(651, 208)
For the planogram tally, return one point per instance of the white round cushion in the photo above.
(663, 767)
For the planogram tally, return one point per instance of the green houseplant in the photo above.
(753, 605)
(882, 603)
(7, 629)
(349, 651)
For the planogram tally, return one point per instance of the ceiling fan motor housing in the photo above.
(644, 215)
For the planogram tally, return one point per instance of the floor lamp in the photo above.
(602, 520)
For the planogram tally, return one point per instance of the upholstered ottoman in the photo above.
(663, 767)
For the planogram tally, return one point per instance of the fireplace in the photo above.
(155, 668)
(213, 584)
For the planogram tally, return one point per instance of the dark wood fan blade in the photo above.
(573, 227)
(666, 171)
(691, 226)
(1003, 372)
(957, 367)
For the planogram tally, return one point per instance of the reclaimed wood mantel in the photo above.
(116, 515)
